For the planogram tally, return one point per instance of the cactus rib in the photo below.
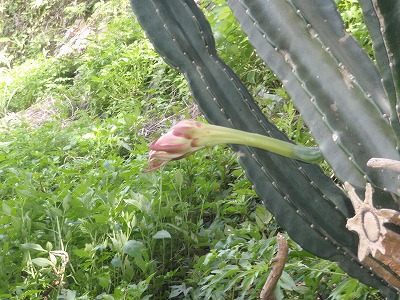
(323, 18)
(383, 23)
(346, 124)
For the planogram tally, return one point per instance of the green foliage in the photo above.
(24, 85)
(195, 229)
(120, 70)
(352, 16)
(82, 191)
(237, 267)
(34, 28)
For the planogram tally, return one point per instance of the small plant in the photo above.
(349, 103)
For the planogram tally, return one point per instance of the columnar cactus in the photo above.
(349, 104)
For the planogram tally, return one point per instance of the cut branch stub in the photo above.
(378, 235)
(384, 163)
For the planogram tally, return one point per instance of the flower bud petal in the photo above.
(175, 144)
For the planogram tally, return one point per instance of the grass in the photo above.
(80, 220)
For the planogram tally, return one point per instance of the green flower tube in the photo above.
(188, 136)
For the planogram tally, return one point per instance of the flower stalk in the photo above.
(188, 136)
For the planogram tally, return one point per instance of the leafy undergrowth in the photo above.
(80, 220)
(194, 230)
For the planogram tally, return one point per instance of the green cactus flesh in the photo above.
(302, 198)
(348, 125)
(383, 22)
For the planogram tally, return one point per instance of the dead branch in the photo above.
(278, 262)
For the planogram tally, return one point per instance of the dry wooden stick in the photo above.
(384, 163)
(278, 262)
(60, 273)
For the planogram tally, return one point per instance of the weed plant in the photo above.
(80, 220)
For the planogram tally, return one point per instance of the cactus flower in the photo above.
(188, 136)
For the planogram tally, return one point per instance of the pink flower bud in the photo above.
(189, 136)
(177, 143)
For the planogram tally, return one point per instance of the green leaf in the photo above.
(162, 234)
(228, 271)
(286, 282)
(104, 281)
(251, 76)
(140, 201)
(32, 246)
(42, 262)
(248, 281)
(30, 293)
(116, 262)
(126, 146)
(133, 248)
(178, 178)
(71, 295)
(26, 193)
(6, 209)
